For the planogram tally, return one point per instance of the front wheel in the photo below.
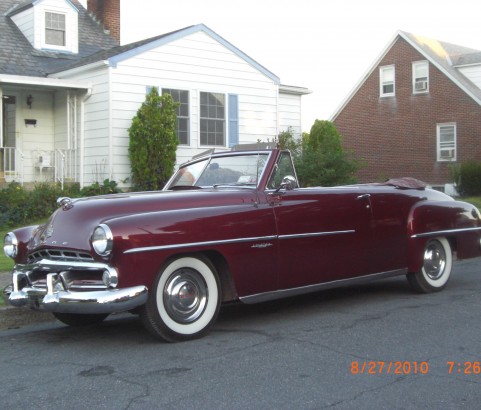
(436, 269)
(184, 301)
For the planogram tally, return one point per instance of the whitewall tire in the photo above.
(184, 301)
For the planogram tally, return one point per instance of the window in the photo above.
(386, 81)
(182, 111)
(55, 29)
(420, 77)
(212, 119)
(446, 142)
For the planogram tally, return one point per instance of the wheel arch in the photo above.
(221, 265)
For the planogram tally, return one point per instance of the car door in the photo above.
(324, 234)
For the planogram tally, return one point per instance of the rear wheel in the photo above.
(74, 319)
(436, 269)
(184, 301)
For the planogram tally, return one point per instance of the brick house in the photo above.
(416, 112)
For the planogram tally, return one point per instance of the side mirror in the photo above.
(288, 183)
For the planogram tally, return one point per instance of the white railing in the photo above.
(65, 166)
(12, 164)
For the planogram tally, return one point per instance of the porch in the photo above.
(38, 165)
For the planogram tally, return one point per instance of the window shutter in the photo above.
(233, 120)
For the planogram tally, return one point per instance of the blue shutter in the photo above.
(233, 120)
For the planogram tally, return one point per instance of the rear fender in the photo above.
(457, 221)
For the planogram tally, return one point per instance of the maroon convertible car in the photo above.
(232, 226)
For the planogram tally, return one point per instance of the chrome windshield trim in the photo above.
(314, 234)
(194, 244)
(446, 231)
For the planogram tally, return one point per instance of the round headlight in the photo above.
(102, 240)
(10, 245)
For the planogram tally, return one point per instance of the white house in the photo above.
(69, 92)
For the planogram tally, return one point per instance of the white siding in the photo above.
(196, 63)
(473, 73)
(96, 146)
(25, 22)
(290, 113)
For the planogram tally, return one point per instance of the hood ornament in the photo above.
(65, 202)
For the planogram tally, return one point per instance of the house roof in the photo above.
(446, 57)
(121, 53)
(18, 57)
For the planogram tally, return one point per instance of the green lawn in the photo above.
(475, 200)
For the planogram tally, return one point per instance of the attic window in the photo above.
(420, 77)
(55, 29)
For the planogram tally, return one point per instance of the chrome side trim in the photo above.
(237, 240)
(283, 293)
(315, 234)
(193, 244)
(447, 231)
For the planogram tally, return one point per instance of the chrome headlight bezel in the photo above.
(10, 245)
(102, 240)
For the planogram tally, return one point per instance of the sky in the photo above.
(325, 46)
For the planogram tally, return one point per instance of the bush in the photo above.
(153, 142)
(108, 187)
(19, 206)
(319, 157)
(467, 177)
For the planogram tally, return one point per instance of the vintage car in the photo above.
(232, 226)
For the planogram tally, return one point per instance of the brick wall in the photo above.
(396, 136)
(108, 13)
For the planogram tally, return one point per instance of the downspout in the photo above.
(82, 135)
(111, 155)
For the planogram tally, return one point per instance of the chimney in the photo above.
(108, 13)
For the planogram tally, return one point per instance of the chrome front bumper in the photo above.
(51, 293)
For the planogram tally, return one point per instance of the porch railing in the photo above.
(12, 164)
(65, 166)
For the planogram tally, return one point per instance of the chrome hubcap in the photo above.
(434, 260)
(185, 295)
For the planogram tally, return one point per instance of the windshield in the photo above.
(243, 170)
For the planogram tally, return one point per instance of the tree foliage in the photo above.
(319, 157)
(153, 142)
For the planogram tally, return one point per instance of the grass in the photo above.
(475, 200)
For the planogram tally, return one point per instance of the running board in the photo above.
(284, 293)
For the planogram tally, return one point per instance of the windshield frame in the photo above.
(208, 159)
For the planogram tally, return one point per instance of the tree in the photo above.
(319, 157)
(153, 142)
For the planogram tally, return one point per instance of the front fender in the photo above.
(459, 222)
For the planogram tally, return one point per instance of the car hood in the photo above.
(72, 224)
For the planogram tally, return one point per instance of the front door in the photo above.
(324, 235)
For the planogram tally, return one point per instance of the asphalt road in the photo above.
(376, 346)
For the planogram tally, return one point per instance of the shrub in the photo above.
(20, 206)
(153, 142)
(108, 187)
(467, 177)
(319, 157)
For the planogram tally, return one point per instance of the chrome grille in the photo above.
(59, 255)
